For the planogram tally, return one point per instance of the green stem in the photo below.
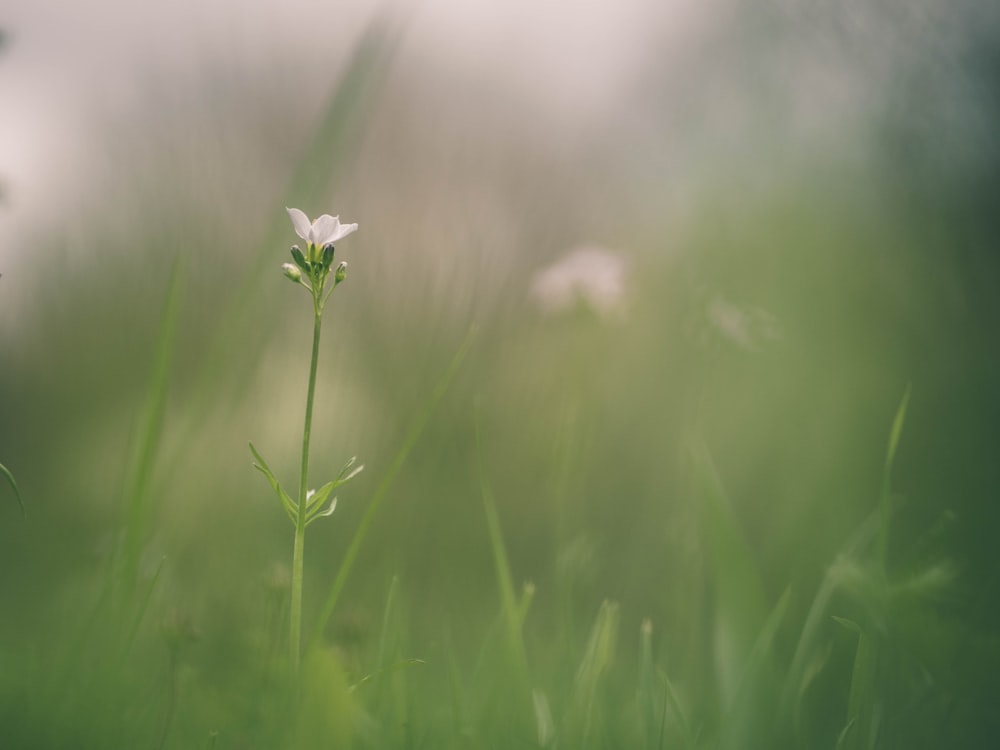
(295, 631)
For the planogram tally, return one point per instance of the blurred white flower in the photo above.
(590, 276)
(749, 327)
(324, 231)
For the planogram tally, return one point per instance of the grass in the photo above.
(771, 670)
(573, 533)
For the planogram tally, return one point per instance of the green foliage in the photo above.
(692, 474)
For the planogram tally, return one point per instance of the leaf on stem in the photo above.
(318, 499)
(289, 505)
(319, 513)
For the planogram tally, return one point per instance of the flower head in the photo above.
(591, 276)
(324, 231)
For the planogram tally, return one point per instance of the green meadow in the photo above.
(687, 452)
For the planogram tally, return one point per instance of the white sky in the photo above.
(67, 66)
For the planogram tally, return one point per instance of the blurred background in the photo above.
(689, 234)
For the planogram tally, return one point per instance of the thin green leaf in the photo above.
(792, 691)
(315, 501)
(814, 667)
(690, 742)
(593, 667)
(383, 641)
(844, 734)
(739, 593)
(861, 727)
(848, 624)
(886, 499)
(13, 485)
(348, 472)
(137, 499)
(545, 727)
(647, 681)
(318, 498)
(745, 724)
(289, 505)
(527, 597)
(141, 611)
(318, 512)
(505, 580)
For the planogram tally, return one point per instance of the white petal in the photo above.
(324, 229)
(342, 231)
(300, 221)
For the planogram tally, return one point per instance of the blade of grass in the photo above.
(137, 506)
(415, 431)
(875, 527)
(593, 667)
(739, 597)
(885, 503)
(675, 705)
(384, 646)
(544, 725)
(141, 611)
(647, 680)
(508, 596)
(13, 485)
(745, 726)
(861, 727)
(386, 618)
(792, 691)
(527, 597)
(565, 456)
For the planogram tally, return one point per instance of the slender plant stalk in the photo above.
(310, 270)
(295, 632)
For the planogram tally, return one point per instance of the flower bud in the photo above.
(291, 271)
(341, 272)
(327, 255)
(299, 258)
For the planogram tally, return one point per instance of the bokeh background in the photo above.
(726, 234)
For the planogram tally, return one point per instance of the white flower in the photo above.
(591, 276)
(324, 231)
(749, 328)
